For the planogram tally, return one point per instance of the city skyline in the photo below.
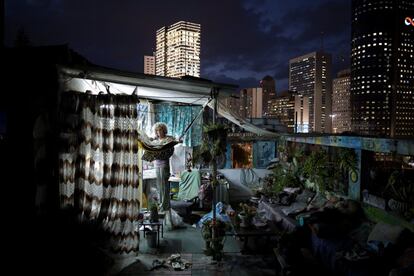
(243, 41)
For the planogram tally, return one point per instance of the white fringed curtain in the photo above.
(99, 163)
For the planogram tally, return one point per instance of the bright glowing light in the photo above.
(409, 21)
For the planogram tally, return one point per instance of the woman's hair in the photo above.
(161, 126)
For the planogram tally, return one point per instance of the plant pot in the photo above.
(151, 237)
(245, 221)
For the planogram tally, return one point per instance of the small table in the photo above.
(245, 233)
(159, 225)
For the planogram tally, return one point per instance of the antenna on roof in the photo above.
(322, 33)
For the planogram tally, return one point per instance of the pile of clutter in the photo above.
(175, 261)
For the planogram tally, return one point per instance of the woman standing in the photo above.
(162, 167)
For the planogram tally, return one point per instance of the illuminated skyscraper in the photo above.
(178, 50)
(382, 68)
(282, 107)
(269, 92)
(251, 100)
(149, 65)
(341, 102)
(310, 80)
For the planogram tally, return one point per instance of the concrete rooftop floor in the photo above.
(57, 245)
(188, 242)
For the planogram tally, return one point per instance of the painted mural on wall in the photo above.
(400, 146)
(354, 187)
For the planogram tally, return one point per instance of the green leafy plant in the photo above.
(214, 243)
(211, 150)
(315, 170)
(153, 208)
(284, 176)
(345, 162)
(213, 145)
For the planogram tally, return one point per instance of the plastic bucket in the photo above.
(151, 237)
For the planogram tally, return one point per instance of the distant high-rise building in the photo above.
(382, 68)
(149, 65)
(232, 103)
(178, 50)
(301, 116)
(341, 102)
(282, 107)
(310, 77)
(251, 100)
(269, 93)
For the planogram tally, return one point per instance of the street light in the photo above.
(332, 120)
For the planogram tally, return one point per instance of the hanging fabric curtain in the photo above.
(177, 118)
(99, 163)
(145, 120)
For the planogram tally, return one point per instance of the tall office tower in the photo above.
(382, 68)
(310, 76)
(341, 102)
(283, 108)
(269, 93)
(251, 100)
(149, 65)
(178, 50)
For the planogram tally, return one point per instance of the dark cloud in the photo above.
(242, 41)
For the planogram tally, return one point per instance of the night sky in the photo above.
(242, 41)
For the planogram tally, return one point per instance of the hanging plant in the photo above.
(212, 148)
(213, 145)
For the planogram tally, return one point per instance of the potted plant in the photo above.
(153, 208)
(214, 243)
(246, 214)
(286, 176)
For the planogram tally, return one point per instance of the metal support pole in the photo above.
(214, 168)
(214, 181)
